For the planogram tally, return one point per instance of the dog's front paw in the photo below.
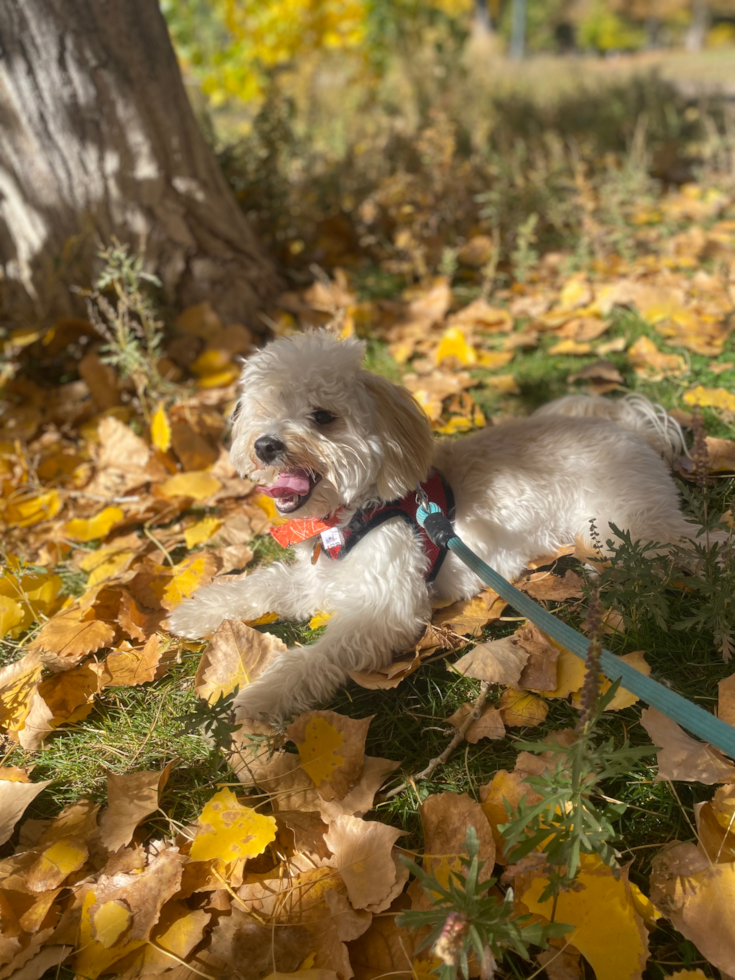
(260, 702)
(194, 619)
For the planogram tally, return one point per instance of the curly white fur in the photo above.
(521, 488)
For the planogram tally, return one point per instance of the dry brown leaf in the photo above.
(67, 637)
(165, 586)
(236, 655)
(14, 798)
(570, 673)
(59, 700)
(127, 667)
(130, 799)
(75, 820)
(122, 460)
(337, 924)
(55, 863)
(308, 831)
(726, 699)
(289, 786)
(583, 329)
(119, 911)
(489, 724)
(388, 950)
(496, 661)
(331, 749)
(26, 955)
(547, 586)
(504, 787)
(468, 616)
(602, 376)
(389, 677)
(716, 827)
(242, 947)
(363, 855)
(697, 897)
(682, 757)
(651, 363)
(540, 673)
(138, 623)
(360, 798)
(445, 818)
(43, 960)
(176, 934)
(561, 964)
(18, 683)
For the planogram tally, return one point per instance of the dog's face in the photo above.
(316, 431)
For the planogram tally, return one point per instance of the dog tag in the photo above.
(332, 537)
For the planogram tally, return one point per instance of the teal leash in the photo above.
(690, 716)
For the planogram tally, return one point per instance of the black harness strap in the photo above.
(436, 489)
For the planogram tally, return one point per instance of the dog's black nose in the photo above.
(268, 448)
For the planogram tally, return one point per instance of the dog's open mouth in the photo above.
(292, 489)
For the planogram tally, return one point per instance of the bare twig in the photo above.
(131, 499)
(473, 716)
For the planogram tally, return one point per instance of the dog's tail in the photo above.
(633, 412)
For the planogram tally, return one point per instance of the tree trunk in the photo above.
(97, 139)
(698, 26)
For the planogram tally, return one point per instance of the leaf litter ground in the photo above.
(135, 844)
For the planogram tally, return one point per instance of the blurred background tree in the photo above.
(234, 47)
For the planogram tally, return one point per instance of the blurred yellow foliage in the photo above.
(252, 38)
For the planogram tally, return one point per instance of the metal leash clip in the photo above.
(421, 497)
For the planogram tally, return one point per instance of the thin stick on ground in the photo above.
(474, 715)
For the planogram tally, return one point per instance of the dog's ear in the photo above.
(404, 430)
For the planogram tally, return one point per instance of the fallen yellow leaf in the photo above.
(493, 359)
(651, 363)
(454, 344)
(160, 429)
(573, 347)
(236, 656)
(331, 749)
(201, 531)
(94, 528)
(570, 673)
(710, 398)
(229, 831)
(55, 863)
(105, 563)
(12, 615)
(32, 510)
(607, 929)
(321, 619)
(521, 709)
(198, 485)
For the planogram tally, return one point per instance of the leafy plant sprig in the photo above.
(467, 919)
(567, 822)
(124, 315)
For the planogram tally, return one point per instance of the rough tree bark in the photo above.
(97, 138)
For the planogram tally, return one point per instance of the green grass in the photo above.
(132, 729)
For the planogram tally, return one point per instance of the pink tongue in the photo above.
(289, 482)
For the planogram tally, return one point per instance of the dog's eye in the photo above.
(322, 417)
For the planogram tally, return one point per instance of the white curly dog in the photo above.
(330, 441)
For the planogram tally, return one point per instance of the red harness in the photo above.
(436, 489)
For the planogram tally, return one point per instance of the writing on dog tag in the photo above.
(332, 537)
